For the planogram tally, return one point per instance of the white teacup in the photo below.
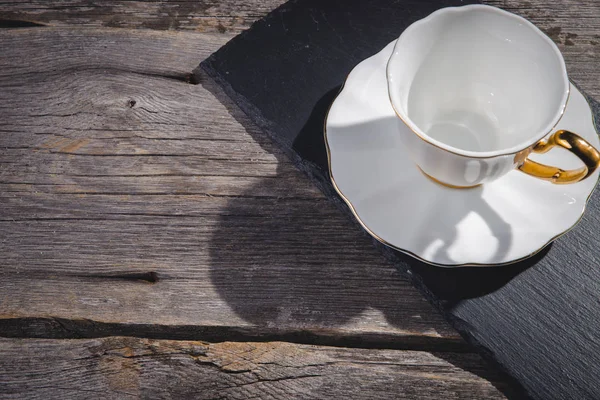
(480, 89)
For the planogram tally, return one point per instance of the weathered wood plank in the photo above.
(201, 15)
(132, 202)
(137, 186)
(118, 368)
(571, 23)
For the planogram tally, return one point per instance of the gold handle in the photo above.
(576, 145)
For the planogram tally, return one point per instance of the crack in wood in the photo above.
(149, 277)
(13, 23)
(62, 328)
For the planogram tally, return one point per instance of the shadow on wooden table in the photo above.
(274, 271)
(275, 267)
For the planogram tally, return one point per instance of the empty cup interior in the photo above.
(478, 79)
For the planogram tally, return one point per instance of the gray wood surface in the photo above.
(219, 16)
(573, 24)
(133, 202)
(123, 367)
(96, 192)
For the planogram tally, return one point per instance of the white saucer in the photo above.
(498, 223)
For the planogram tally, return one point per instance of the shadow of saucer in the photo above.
(452, 285)
(295, 262)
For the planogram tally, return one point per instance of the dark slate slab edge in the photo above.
(525, 318)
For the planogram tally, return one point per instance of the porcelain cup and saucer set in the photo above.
(463, 143)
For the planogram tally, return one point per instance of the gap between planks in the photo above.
(62, 328)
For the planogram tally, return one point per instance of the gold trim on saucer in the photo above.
(417, 257)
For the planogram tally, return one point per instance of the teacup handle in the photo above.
(576, 145)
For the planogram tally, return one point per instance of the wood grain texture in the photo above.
(227, 16)
(121, 368)
(572, 24)
(132, 202)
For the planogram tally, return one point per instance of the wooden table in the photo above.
(154, 247)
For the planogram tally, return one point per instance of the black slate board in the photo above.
(539, 320)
